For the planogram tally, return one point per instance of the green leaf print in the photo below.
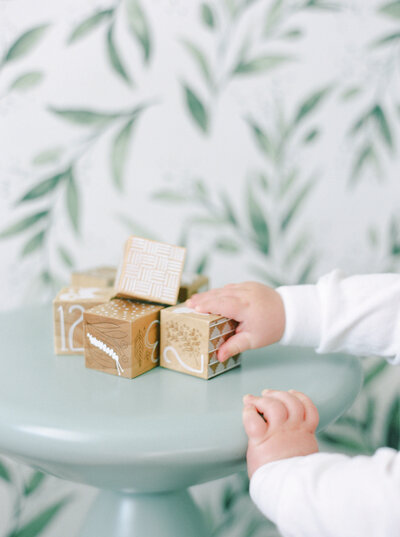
(72, 201)
(25, 43)
(305, 273)
(200, 59)
(27, 81)
(374, 372)
(261, 138)
(170, 196)
(33, 244)
(383, 125)
(229, 211)
(292, 34)
(296, 204)
(197, 109)
(119, 153)
(274, 16)
(48, 156)
(44, 187)
(65, 256)
(34, 483)
(207, 15)
(258, 221)
(139, 27)
(4, 473)
(324, 6)
(311, 136)
(287, 182)
(350, 93)
(353, 445)
(23, 224)
(391, 10)
(89, 24)
(394, 236)
(310, 104)
(37, 524)
(367, 153)
(114, 57)
(387, 39)
(202, 263)
(392, 436)
(84, 117)
(226, 244)
(261, 64)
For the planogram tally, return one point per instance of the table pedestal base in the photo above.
(169, 514)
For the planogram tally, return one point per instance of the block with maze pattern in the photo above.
(122, 337)
(68, 308)
(150, 271)
(190, 340)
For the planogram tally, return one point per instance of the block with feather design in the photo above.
(122, 337)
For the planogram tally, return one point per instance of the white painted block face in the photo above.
(151, 271)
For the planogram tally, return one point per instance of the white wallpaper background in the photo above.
(267, 142)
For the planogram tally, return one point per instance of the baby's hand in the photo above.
(257, 308)
(286, 430)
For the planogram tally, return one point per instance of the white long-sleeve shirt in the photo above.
(333, 495)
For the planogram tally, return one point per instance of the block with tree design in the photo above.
(190, 341)
(122, 337)
(94, 277)
(68, 308)
(150, 271)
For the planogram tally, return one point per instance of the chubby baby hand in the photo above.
(279, 425)
(256, 307)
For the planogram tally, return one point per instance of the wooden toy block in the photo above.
(122, 337)
(190, 340)
(95, 277)
(191, 284)
(68, 308)
(150, 271)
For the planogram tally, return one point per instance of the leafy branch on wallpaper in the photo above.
(60, 187)
(62, 183)
(273, 198)
(231, 17)
(24, 491)
(18, 49)
(138, 26)
(355, 432)
(373, 129)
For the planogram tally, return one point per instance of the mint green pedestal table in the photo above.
(143, 442)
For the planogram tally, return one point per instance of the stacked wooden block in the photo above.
(114, 317)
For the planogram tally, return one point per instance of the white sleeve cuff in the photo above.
(265, 485)
(302, 315)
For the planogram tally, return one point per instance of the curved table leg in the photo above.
(169, 514)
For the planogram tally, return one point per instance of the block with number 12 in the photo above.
(68, 308)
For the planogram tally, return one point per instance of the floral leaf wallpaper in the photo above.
(261, 134)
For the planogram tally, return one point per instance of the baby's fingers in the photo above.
(253, 423)
(274, 411)
(311, 416)
(227, 306)
(294, 405)
(236, 344)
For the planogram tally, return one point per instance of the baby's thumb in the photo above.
(234, 345)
